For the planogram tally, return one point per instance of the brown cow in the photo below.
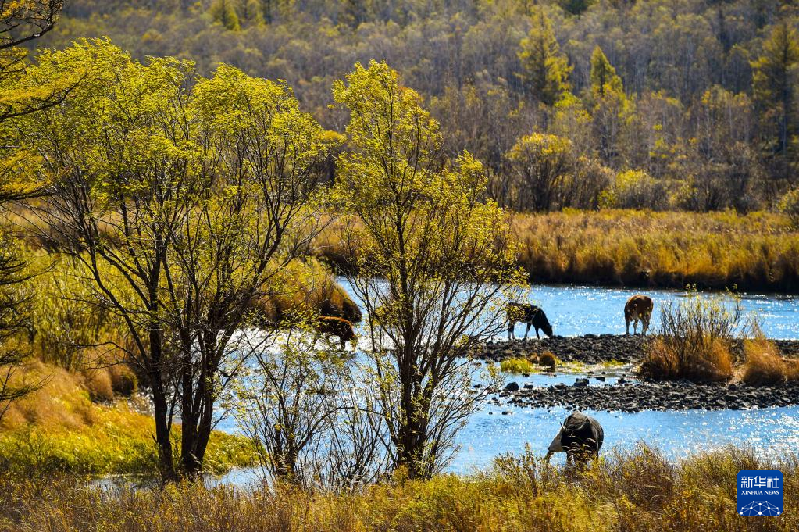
(638, 308)
(333, 326)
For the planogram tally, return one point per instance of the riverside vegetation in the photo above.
(157, 267)
(758, 251)
(636, 490)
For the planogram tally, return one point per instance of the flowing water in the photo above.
(575, 310)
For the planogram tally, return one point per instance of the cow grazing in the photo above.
(638, 308)
(333, 326)
(580, 437)
(528, 314)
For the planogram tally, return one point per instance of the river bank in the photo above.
(634, 490)
(601, 376)
(659, 396)
(755, 252)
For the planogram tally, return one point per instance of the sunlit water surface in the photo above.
(575, 310)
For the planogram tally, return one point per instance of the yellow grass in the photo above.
(60, 428)
(638, 490)
(764, 365)
(758, 251)
(517, 365)
(707, 361)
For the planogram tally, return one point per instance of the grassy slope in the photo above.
(59, 428)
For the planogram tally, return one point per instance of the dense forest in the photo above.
(686, 104)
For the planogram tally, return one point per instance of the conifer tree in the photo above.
(774, 80)
(603, 76)
(546, 69)
(224, 12)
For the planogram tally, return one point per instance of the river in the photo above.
(579, 310)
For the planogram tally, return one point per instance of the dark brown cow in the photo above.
(638, 308)
(333, 326)
(529, 315)
(580, 437)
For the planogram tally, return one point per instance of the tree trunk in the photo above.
(161, 410)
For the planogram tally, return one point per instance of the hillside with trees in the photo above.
(666, 105)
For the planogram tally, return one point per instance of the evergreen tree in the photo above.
(607, 102)
(546, 69)
(252, 12)
(575, 7)
(603, 76)
(774, 80)
(224, 12)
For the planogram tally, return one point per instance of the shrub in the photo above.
(548, 359)
(123, 380)
(789, 205)
(764, 365)
(517, 365)
(98, 384)
(634, 189)
(694, 341)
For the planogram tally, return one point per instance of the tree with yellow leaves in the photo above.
(181, 205)
(435, 263)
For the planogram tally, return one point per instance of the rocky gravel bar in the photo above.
(638, 396)
(629, 396)
(593, 349)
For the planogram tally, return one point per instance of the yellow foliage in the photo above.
(764, 365)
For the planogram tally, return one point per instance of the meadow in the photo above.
(634, 490)
(755, 252)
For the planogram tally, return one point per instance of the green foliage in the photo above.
(774, 91)
(67, 315)
(517, 365)
(633, 189)
(224, 12)
(546, 69)
(789, 204)
(545, 173)
(603, 76)
(429, 249)
(575, 7)
(194, 200)
(669, 56)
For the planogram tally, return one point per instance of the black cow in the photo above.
(580, 438)
(528, 314)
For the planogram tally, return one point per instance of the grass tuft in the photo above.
(517, 365)
(764, 365)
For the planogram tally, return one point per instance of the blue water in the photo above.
(580, 310)
(575, 310)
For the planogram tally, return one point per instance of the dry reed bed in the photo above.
(631, 491)
(756, 252)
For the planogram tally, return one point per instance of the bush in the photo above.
(548, 359)
(694, 341)
(764, 365)
(634, 189)
(789, 205)
(631, 491)
(123, 380)
(98, 384)
(517, 365)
